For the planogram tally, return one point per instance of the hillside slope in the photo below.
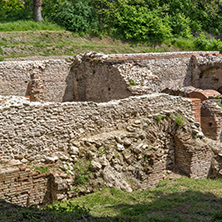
(56, 43)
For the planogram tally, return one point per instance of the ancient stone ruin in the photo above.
(123, 121)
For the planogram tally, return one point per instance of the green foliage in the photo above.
(203, 43)
(132, 83)
(181, 25)
(77, 17)
(69, 208)
(179, 121)
(82, 174)
(13, 10)
(220, 105)
(168, 117)
(42, 169)
(146, 21)
(217, 216)
(176, 114)
(181, 199)
(159, 118)
(141, 24)
(8, 198)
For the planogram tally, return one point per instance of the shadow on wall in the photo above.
(28, 187)
(101, 83)
(211, 78)
(206, 73)
(51, 192)
(188, 78)
(69, 90)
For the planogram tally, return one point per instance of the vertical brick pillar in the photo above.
(196, 109)
(36, 88)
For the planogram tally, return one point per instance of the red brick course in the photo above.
(19, 185)
(196, 109)
(204, 94)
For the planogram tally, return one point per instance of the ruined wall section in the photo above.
(15, 77)
(211, 119)
(25, 186)
(101, 78)
(127, 144)
(207, 71)
(38, 127)
(96, 81)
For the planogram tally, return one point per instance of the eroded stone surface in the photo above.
(131, 143)
(92, 141)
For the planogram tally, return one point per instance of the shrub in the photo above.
(78, 17)
(12, 10)
(203, 43)
(181, 25)
(69, 208)
(140, 24)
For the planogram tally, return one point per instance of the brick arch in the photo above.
(204, 94)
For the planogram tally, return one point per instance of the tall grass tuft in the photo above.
(29, 25)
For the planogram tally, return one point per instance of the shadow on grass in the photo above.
(184, 206)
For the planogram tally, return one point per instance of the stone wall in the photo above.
(131, 143)
(128, 144)
(99, 77)
(211, 119)
(15, 77)
(38, 127)
(207, 71)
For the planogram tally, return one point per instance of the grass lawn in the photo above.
(28, 38)
(172, 200)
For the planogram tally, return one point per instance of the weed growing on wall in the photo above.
(220, 105)
(176, 114)
(42, 169)
(179, 121)
(159, 118)
(8, 198)
(132, 83)
(82, 174)
(168, 117)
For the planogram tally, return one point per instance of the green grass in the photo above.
(28, 38)
(60, 42)
(172, 200)
(29, 25)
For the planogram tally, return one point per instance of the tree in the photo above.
(37, 12)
